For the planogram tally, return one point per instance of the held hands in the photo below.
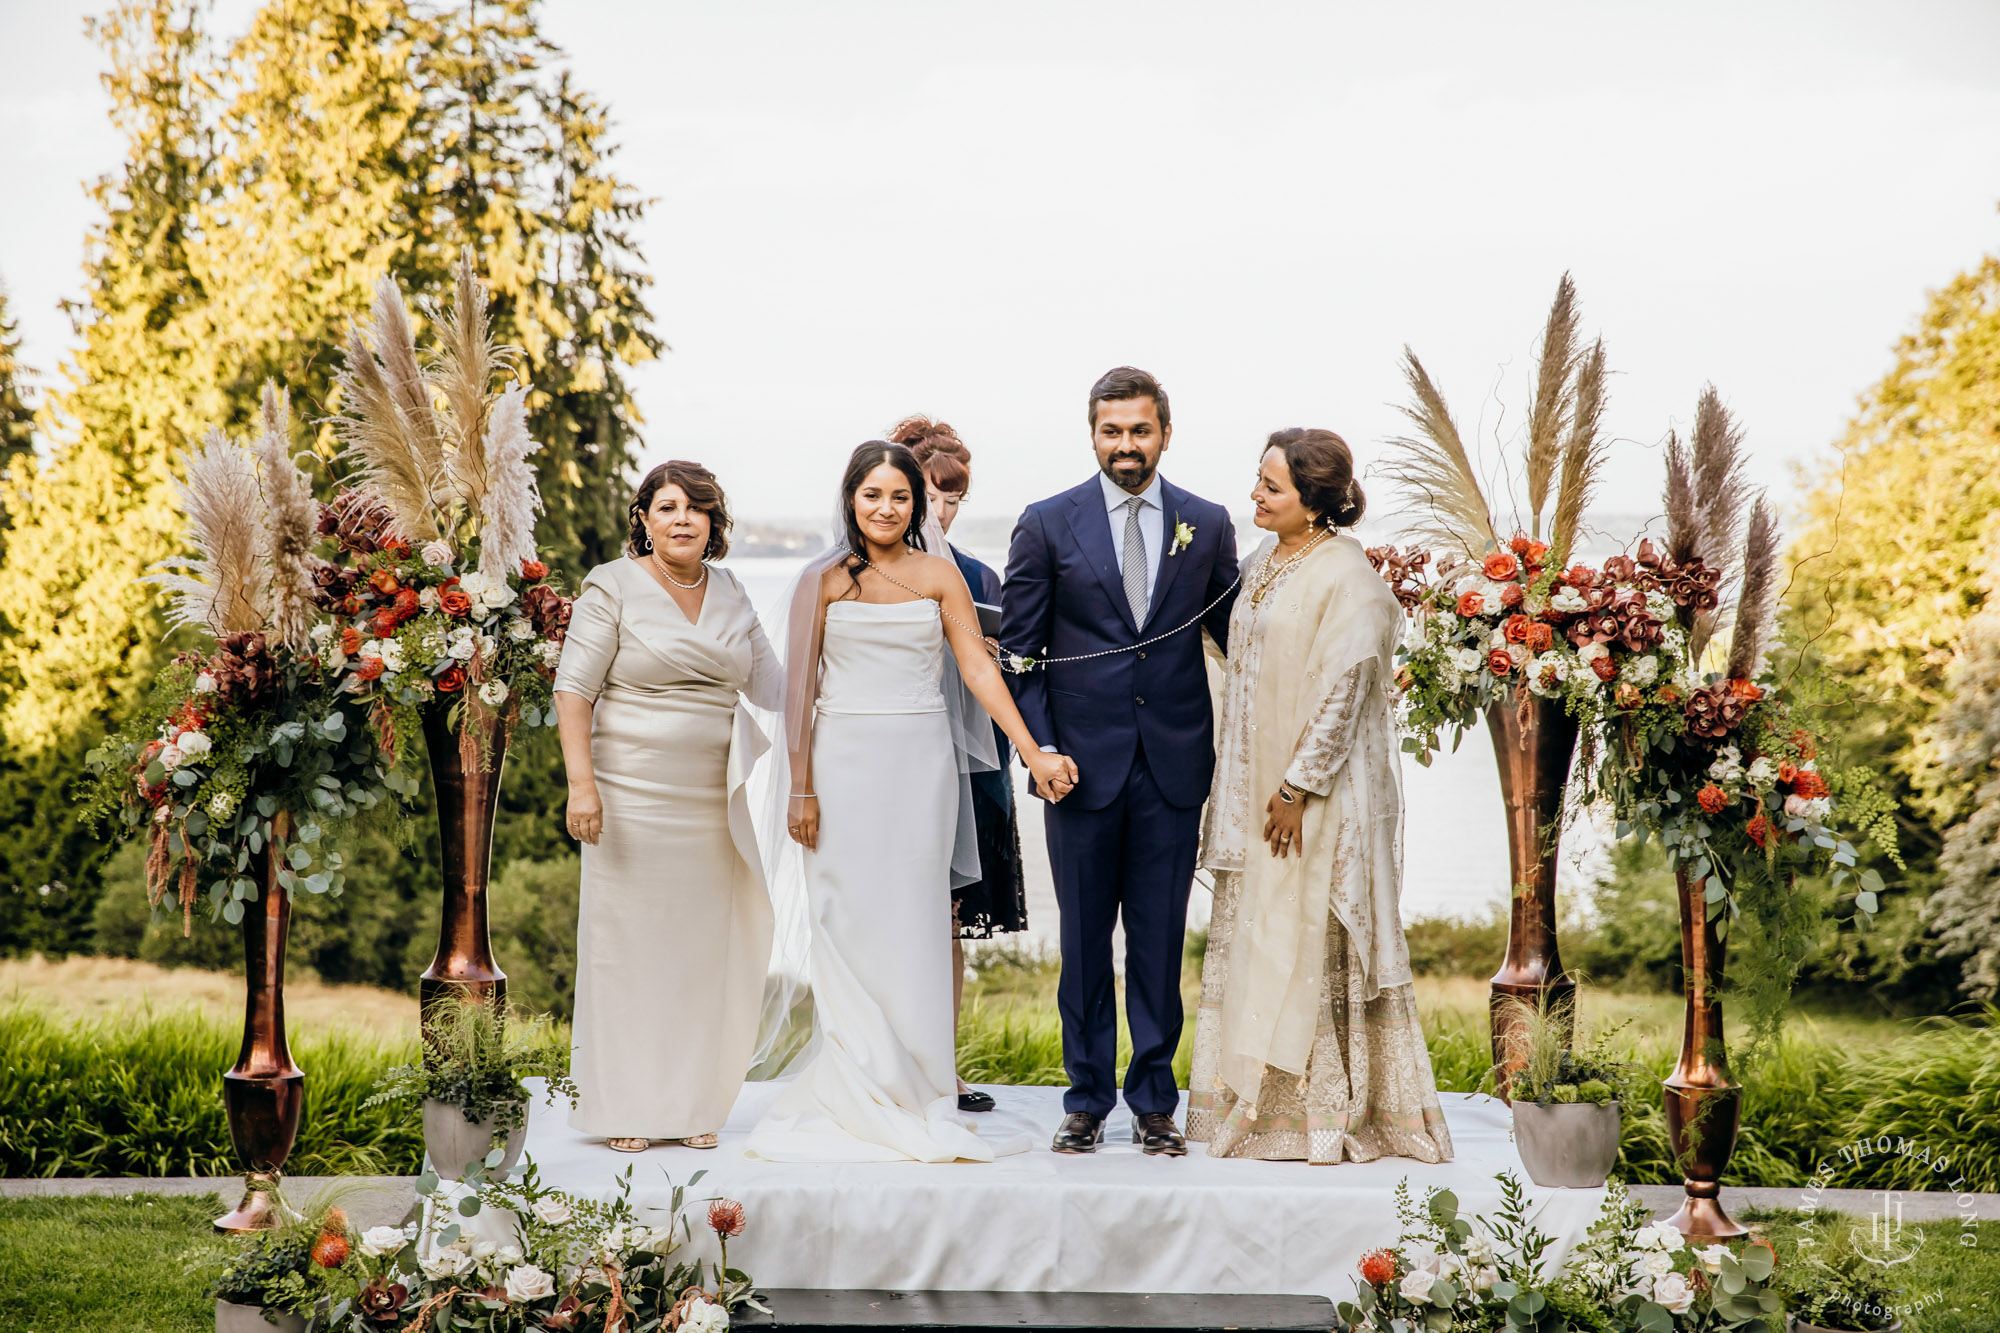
(1282, 821)
(585, 819)
(802, 821)
(1055, 774)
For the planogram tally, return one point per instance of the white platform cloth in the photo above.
(1116, 1220)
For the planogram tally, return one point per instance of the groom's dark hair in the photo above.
(1129, 382)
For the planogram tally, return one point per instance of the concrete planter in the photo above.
(1799, 1325)
(233, 1318)
(1569, 1144)
(454, 1143)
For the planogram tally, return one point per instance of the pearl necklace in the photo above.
(661, 565)
(1267, 576)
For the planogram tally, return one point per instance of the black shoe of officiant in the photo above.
(1081, 1132)
(1156, 1133)
(974, 1101)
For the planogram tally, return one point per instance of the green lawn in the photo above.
(1957, 1287)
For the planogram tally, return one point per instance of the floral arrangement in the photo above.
(475, 1056)
(292, 1268)
(574, 1265)
(434, 590)
(1558, 1063)
(250, 744)
(1449, 1273)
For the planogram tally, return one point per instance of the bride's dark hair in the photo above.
(866, 459)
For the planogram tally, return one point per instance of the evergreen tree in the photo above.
(1965, 912)
(17, 413)
(263, 195)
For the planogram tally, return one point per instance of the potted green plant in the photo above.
(1836, 1288)
(279, 1278)
(469, 1082)
(1567, 1116)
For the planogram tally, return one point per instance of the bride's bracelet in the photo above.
(805, 795)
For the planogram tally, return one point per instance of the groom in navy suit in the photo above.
(1124, 571)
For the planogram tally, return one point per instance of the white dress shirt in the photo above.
(1152, 526)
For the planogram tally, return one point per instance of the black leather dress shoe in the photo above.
(974, 1101)
(1081, 1132)
(1155, 1132)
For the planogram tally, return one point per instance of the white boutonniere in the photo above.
(1183, 534)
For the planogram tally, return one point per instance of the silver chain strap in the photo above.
(1020, 664)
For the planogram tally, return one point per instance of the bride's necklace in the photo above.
(1266, 576)
(661, 565)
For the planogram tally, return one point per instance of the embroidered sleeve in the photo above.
(1330, 732)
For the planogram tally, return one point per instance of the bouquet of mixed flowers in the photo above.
(250, 744)
(293, 1268)
(435, 593)
(1448, 1273)
(573, 1265)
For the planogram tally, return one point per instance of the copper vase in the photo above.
(265, 1093)
(1703, 1103)
(1533, 742)
(465, 775)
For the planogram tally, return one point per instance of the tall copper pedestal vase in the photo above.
(1703, 1103)
(265, 1093)
(1533, 743)
(468, 791)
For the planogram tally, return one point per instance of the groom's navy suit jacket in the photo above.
(1065, 596)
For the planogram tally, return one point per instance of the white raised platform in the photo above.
(1115, 1220)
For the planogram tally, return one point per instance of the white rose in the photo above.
(552, 1209)
(488, 646)
(1819, 809)
(520, 631)
(1535, 603)
(377, 1242)
(482, 1250)
(462, 649)
(1672, 1291)
(372, 648)
(525, 1282)
(1518, 653)
(1479, 1248)
(204, 683)
(392, 655)
(1467, 660)
(427, 598)
(446, 1264)
(171, 757)
(551, 652)
(319, 634)
(704, 1317)
(1712, 1257)
(493, 693)
(1643, 671)
(1416, 1286)
(1590, 652)
(656, 1240)
(1484, 1278)
(1567, 600)
(437, 555)
(1762, 771)
(194, 744)
(1656, 1264)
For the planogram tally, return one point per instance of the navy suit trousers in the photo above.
(1134, 859)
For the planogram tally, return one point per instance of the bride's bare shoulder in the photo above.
(835, 582)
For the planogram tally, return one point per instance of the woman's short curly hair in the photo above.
(703, 491)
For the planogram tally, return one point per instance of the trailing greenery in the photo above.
(475, 1056)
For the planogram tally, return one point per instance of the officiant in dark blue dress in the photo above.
(998, 903)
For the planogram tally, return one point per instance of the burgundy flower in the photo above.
(243, 669)
(547, 610)
(381, 1302)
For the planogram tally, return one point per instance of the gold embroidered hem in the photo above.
(1368, 1090)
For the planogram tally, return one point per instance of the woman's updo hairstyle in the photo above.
(703, 491)
(1322, 471)
(946, 462)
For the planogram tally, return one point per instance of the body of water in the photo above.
(1455, 835)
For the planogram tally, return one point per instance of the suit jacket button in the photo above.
(1142, 656)
(1141, 702)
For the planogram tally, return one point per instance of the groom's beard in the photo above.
(1129, 478)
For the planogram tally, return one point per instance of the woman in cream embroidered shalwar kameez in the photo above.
(674, 928)
(1307, 1044)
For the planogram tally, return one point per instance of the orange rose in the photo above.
(1745, 690)
(1471, 604)
(1604, 667)
(350, 641)
(452, 600)
(350, 605)
(1499, 565)
(1498, 662)
(534, 571)
(1537, 552)
(452, 680)
(1516, 629)
(1713, 799)
(384, 582)
(1627, 696)
(1787, 771)
(1541, 637)
(370, 668)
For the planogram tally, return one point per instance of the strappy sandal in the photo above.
(698, 1141)
(629, 1145)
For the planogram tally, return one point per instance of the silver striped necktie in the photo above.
(1135, 561)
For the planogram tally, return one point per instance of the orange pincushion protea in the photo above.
(1378, 1267)
(725, 1217)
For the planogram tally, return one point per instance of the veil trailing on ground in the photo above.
(785, 1029)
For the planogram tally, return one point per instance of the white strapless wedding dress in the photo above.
(880, 1081)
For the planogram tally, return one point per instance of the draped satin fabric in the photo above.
(674, 928)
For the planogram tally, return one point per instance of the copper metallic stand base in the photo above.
(1703, 1103)
(1532, 743)
(468, 792)
(259, 1210)
(265, 1093)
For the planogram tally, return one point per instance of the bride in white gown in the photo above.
(877, 758)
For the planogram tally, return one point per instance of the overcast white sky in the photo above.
(864, 210)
